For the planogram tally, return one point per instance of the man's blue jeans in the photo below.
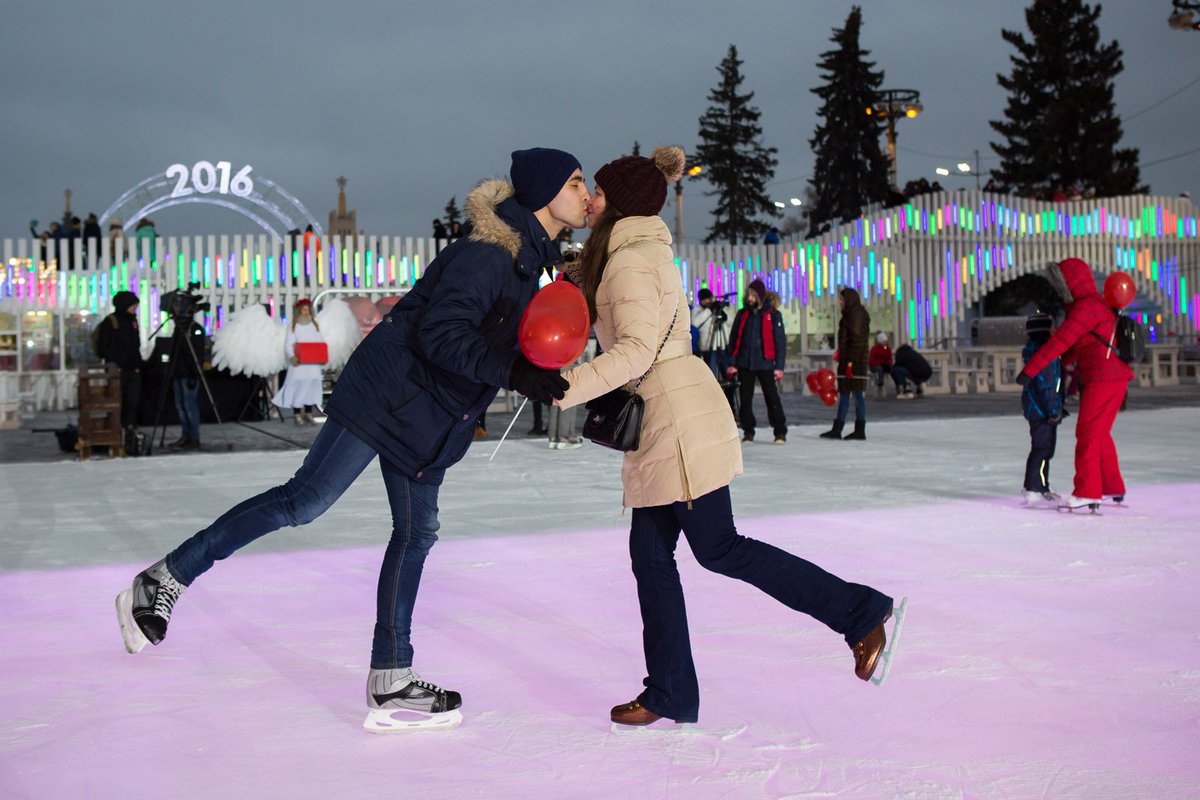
(335, 459)
(186, 390)
(672, 689)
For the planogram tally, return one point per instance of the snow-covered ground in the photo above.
(1044, 655)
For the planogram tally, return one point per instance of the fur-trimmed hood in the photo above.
(486, 224)
(1071, 278)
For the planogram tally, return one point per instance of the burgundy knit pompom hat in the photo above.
(637, 186)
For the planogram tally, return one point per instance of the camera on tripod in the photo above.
(184, 303)
(718, 307)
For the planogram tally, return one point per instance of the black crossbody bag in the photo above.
(614, 420)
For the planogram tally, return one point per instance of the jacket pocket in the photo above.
(421, 426)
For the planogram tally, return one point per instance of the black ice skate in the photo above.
(144, 610)
(398, 700)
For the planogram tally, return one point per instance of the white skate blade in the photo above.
(380, 720)
(135, 640)
(670, 729)
(889, 651)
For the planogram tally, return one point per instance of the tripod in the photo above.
(718, 343)
(181, 337)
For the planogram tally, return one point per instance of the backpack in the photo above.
(1129, 339)
(94, 336)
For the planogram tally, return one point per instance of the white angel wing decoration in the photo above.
(340, 331)
(251, 342)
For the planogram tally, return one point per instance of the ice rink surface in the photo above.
(1044, 655)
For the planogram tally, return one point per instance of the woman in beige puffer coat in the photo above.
(678, 478)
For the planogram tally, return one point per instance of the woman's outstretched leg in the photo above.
(851, 609)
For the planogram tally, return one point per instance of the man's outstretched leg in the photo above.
(336, 458)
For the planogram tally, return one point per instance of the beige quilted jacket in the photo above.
(689, 444)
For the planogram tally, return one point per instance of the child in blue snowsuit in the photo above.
(1042, 404)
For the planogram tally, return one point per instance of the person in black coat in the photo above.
(119, 341)
(757, 352)
(854, 330)
(410, 394)
(910, 366)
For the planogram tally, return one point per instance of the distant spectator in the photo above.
(880, 360)
(456, 230)
(439, 230)
(854, 328)
(146, 236)
(908, 367)
(91, 237)
(118, 341)
(772, 236)
(758, 351)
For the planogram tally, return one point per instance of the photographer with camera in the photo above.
(184, 363)
(118, 341)
(187, 383)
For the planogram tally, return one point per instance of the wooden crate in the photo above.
(100, 410)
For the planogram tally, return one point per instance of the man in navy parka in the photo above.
(410, 394)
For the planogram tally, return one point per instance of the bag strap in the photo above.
(1109, 341)
(660, 348)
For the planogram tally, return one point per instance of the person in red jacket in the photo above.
(1087, 336)
(880, 360)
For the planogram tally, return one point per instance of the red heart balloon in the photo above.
(1119, 290)
(828, 397)
(812, 380)
(554, 327)
(826, 380)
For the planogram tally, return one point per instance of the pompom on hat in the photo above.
(637, 186)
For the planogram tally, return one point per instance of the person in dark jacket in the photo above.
(910, 366)
(186, 383)
(1042, 405)
(119, 341)
(1088, 335)
(411, 393)
(854, 329)
(757, 352)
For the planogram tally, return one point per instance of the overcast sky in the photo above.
(415, 102)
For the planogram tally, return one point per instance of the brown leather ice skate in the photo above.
(866, 652)
(633, 713)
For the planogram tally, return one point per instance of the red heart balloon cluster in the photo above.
(1119, 290)
(823, 383)
(554, 327)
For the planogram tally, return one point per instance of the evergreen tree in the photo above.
(850, 169)
(1061, 128)
(452, 213)
(735, 162)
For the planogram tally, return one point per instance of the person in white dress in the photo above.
(301, 390)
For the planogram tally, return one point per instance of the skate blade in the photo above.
(673, 729)
(889, 651)
(380, 720)
(1094, 508)
(135, 640)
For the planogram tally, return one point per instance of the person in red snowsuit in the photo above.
(1087, 336)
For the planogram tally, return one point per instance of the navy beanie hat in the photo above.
(1039, 322)
(539, 174)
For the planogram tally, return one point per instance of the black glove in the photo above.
(1054, 419)
(1023, 379)
(539, 385)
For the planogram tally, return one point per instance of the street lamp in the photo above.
(690, 170)
(890, 104)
